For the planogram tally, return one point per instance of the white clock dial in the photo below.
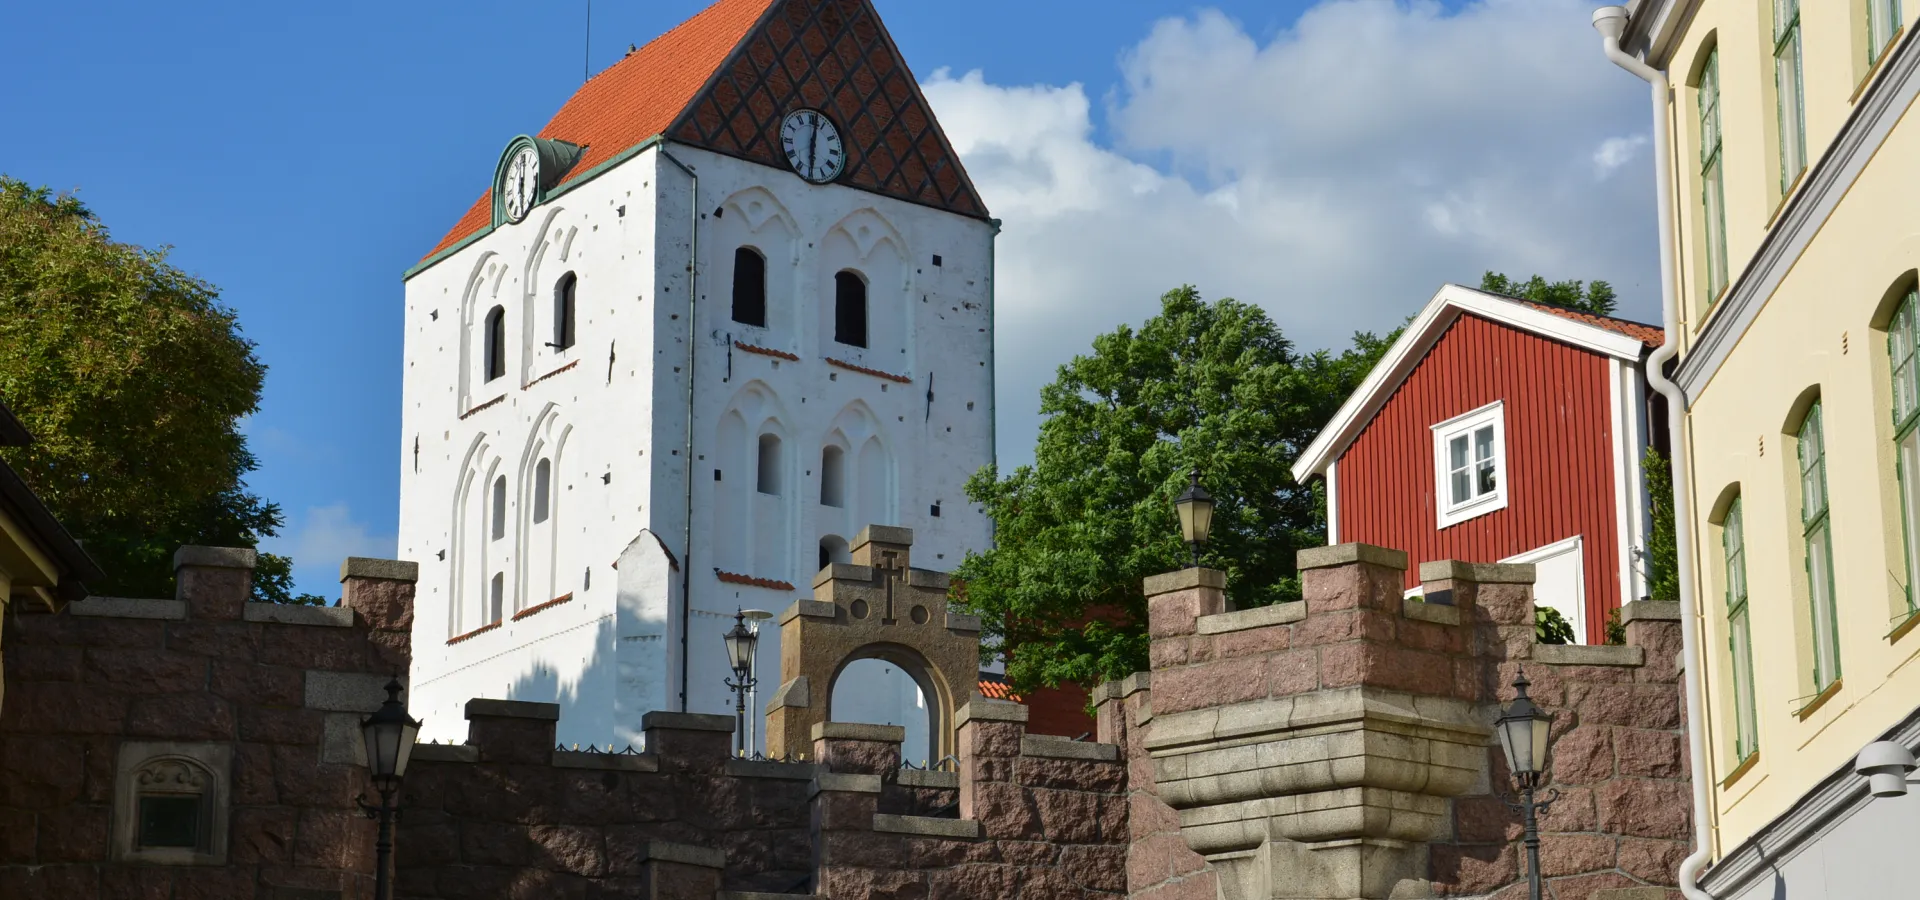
(522, 185)
(812, 145)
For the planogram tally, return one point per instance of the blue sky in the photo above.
(301, 157)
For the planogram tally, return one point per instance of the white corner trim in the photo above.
(1447, 513)
(1333, 503)
(1622, 460)
(1447, 305)
(1576, 547)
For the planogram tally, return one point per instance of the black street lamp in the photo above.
(389, 735)
(1195, 507)
(741, 641)
(1523, 729)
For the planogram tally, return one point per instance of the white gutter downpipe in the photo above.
(1611, 22)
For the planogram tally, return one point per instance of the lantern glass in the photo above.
(1524, 729)
(389, 734)
(1195, 507)
(740, 644)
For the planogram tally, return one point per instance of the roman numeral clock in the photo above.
(812, 145)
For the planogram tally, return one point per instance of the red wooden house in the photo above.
(1497, 429)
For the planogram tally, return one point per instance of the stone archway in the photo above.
(879, 606)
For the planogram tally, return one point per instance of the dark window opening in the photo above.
(563, 311)
(850, 309)
(936, 259)
(497, 601)
(542, 489)
(495, 352)
(832, 476)
(826, 557)
(769, 480)
(935, 510)
(500, 507)
(749, 287)
(170, 821)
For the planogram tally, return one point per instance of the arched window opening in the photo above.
(542, 479)
(749, 287)
(769, 480)
(833, 549)
(499, 507)
(850, 309)
(496, 596)
(496, 350)
(833, 477)
(563, 311)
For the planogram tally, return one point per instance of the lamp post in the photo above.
(1195, 507)
(741, 641)
(389, 734)
(1523, 729)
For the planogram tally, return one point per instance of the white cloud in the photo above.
(325, 535)
(1335, 174)
(1614, 153)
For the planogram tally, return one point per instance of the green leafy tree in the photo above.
(1595, 297)
(1550, 627)
(1207, 385)
(1662, 556)
(132, 377)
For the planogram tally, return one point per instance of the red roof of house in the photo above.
(1650, 335)
(637, 97)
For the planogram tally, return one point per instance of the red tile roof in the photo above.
(751, 580)
(995, 687)
(1650, 335)
(637, 97)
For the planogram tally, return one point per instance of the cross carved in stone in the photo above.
(890, 572)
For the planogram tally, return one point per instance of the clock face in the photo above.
(522, 183)
(812, 145)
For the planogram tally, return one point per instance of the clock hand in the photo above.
(813, 145)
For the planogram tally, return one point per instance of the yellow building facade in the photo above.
(1795, 228)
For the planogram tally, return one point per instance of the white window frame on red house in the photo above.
(1467, 425)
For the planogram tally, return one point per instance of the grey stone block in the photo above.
(389, 569)
(1478, 573)
(513, 709)
(980, 709)
(1048, 746)
(792, 694)
(214, 557)
(688, 854)
(1650, 611)
(964, 829)
(1441, 614)
(293, 614)
(347, 691)
(758, 768)
(341, 743)
(1257, 617)
(859, 731)
(1589, 655)
(884, 534)
(922, 778)
(840, 781)
(1168, 582)
(1343, 554)
(453, 753)
(929, 578)
(678, 721)
(613, 762)
(129, 608)
(958, 622)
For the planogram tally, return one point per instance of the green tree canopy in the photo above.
(1213, 386)
(132, 377)
(1591, 297)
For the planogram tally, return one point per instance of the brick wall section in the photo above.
(1160, 865)
(506, 815)
(1618, 755)
(1618, 740)
(1041, 818)
(272, 683)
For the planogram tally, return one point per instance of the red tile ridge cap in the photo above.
(474, 633)
(866, 371)
(543, 607)
(766, 351)
(1650, 335)
(751, 581)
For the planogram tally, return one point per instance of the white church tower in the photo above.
(731, 305)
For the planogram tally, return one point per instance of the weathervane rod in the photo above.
(586, 56)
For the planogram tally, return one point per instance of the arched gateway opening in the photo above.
(877, 608)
